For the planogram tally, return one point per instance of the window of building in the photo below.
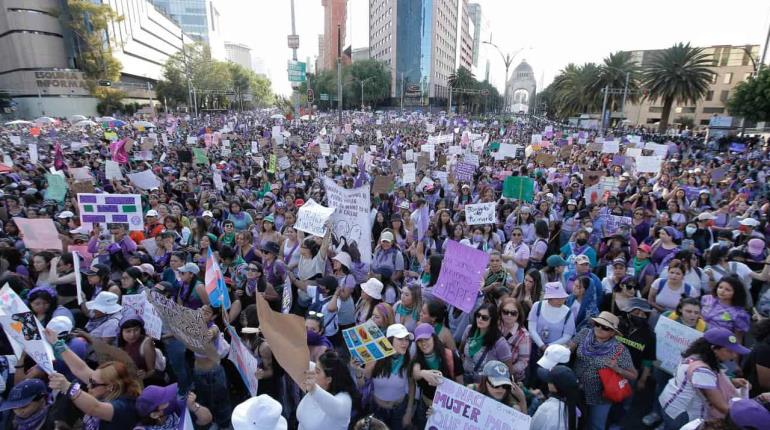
(724, 95)
(709, 96)
(728, 78)
(714, 78)
(655, 109)
(713, 110)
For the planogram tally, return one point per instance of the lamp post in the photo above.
(362, 91)
(507, 60)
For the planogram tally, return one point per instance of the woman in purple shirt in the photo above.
(483, 342)
(726, 307)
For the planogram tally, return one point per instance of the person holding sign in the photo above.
(330, 395)
(497, 384)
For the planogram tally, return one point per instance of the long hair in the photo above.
(739, 292)
(116, 373)
(131, 324)
(438, 352)
(48, 297)
(436, 310)
(337, 369)
(508, 399)
(705, 350)
(382, 368)
(435, 268)
(493, 332)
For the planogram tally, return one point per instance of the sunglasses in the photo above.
(603, 327)
(510, 313)
(483, 317)
(516, 234)
(94, 384)
(252, 269)
(314, 314)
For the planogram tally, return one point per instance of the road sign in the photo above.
(293, 41)
(310, 97)
(297, 71)
(324, 97)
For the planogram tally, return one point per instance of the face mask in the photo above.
(589, 229)
(637, 321)
(581, 241)
(477, 238)
(690, 230)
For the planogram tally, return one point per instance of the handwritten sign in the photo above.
(464, 171)
(610, 147)
(648, 164)
(350, 221)
(458, 407)
(409, 173)
(672, 338)
(138, 304)
(185, 324)
(481, 213)
(312, 218)
(366, 343)
(460, 278)
(24, 329)
(244, 361)
(112, 208)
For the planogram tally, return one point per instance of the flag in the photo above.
(215, 283)
(422, 223)
(58, 158)
(119, 151)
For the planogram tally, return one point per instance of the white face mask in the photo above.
(690, 230)
(589, 229)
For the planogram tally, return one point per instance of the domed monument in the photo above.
(521, 88)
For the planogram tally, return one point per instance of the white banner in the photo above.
(409, 174)
(24, 330)
(610, 147)
(648, 164)
(458, 407)
(671, 339)
(312, 217)
(138, 304)
(481, 213)
(350, 220)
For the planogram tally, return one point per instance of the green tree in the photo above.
(261, 90)
(751, 99)
(612, 73)
(241, 82)
(678, 74)
(376, 78)
(574, 90)
(461, 79)
(89, 22)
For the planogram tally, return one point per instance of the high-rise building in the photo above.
(238, 53)
(474, 14)
(731, 65)
(199, 19)
(464, 37)
(359, 54)
(335, 20)
(321, 53)
(417, 39)
(40, 68)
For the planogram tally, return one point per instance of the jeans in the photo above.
(211, 389)
(675, 423)
(176, 358)
(597, 416)
(391, 417)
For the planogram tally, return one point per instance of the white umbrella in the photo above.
(145, 124)
(85, 123)
(107, 118)
(304, 117)
(77, 118)
(277, 116)
(19, 122)
(45, 120)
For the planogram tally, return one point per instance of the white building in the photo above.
(239, 54)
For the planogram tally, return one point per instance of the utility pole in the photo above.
(604, 108)
(187, 72)
(625, 94)
(339, 73)
(295, 92)
(764, 50)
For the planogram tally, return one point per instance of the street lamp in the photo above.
(362, 90)
(507, 60)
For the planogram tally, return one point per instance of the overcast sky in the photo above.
(553, 32)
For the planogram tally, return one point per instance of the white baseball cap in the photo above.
(398, 331)
(152, 212)
(553, 355)
(60, 325)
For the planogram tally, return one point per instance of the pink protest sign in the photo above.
(39, 233)
(460, 278)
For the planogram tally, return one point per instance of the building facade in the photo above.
(522, 88)
(360, 54)
(199, 19)
(465, 31)
(731, 65)
(335, 16)
(238, 53)
(40, 62)
(417, 40)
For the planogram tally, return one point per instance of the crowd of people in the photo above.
(563, 327)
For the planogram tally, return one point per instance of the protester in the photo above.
(330, 395)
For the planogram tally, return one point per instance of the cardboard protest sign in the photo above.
(138, 304)
(648, 164)
(366, 343)
(185, 324)
(460, 278)
(423, 161)
(57, 187)
(24, 330)
(244, 361)
(545, 159)
(481, 213)
(671, 339)
(39, 233)
(145, 180)
(287, 337)
(457, 407)
(112, 208)
(464, 171)
(312, 218)
(592, 177)
(519, 187)
(409, 174)
(350, 220)
(382, 184)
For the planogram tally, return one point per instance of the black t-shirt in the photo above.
(759, 356)
(640, 342)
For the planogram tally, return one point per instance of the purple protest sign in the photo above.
(460, 278)
(618, 160)
(737, 147)
(464, 171)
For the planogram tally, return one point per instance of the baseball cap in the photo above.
(619, 261)
(555, 261)
(755, 246)
(582, 259)
(497, 373)
(386, 237)
(423, 331)
(153, 396)
(152, 212)
(748, 413)
(644, 248)
(24, 393)
(60, 325)
(553, 355)
(190, 268)
(751, 222)
(208, 213)
(637, 303)
(66, 214)
(706, 216)
(726, 339)
(398, 331)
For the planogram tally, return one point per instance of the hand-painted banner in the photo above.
(481, 213)
(458, 407)
(23, 329)
(244, 361)
(185, 324)
(671, 339)
(138, 304)
(112, 208)
(460, 278)
(351, 223)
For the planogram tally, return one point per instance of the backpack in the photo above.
(566, 317)
(687, 287)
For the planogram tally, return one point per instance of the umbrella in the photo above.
(145, 124)
(107, 118)
(4, 168)
(77, 118)
(85, 123)
(277, 116)
(19, 122)
(113, 123)
(45, 120)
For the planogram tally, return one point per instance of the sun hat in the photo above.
(607, 319)
(582, 259)
(637, 303)
(423, 331)
(553, 355)
(344, 259)
(60, 325)
(398, 331)
(190, 268)
(755, 246)
(554, 290)
(748, 413)
(105, 302)
(726, 339)
(23, 394)
(259, 413)
(386, 236)
(373, 288)
(153, 396)
(555, 261)
(497, 373)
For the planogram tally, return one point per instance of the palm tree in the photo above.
(613, 72)
(574, 91)
(680, 73)
(461, 79)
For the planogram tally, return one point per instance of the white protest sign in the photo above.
(254, 147)
(648, 164)
(22, 327)
(78, 279)
(325, 149)
(409, 155)
(347, 159)
(611, 147)
(81, 173)
(138, 304)
(218, 184)
(351, 220)
(430, 128)
(430, 149)
(145, 179)
(633, 152)
(192, 140)
(671, 339)
(112, 208)
(312, 217)
(15, 140)
(508, 150)
(284, 163)
(7, 160)
(471, 159)
(409, 173)
(33, 154)
(322, 163)
(481, 213)
(457, 407)
(536, 138)
(455, 150)
(112, 170)
(657, 148)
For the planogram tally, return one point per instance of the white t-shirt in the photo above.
(551, 415)
(683, 394)
(669, 298)
(320, 410)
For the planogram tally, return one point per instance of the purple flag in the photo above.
(422, 224)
